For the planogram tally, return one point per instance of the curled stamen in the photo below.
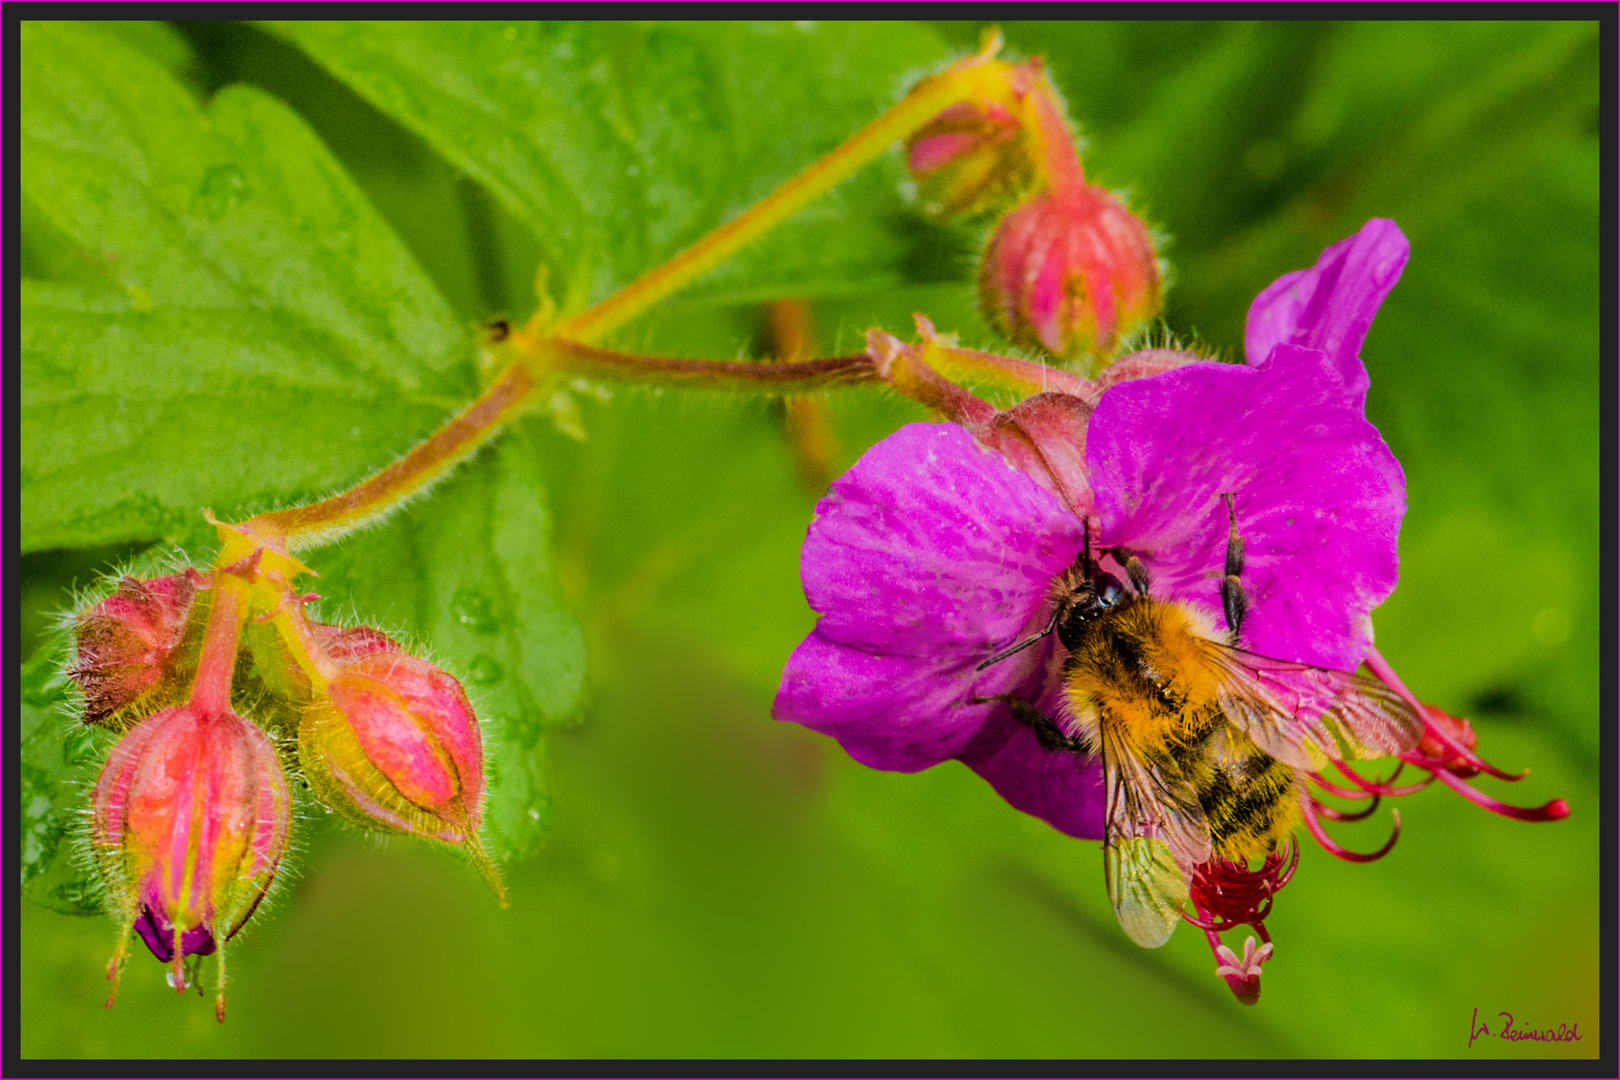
(1435, 724)
(1225, 895)
(1334, 789)
(1333, 814)
(1460, 749)
(1310, 808)
(1552, 810)
(1377, 787)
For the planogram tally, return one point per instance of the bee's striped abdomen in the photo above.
(1249, 797)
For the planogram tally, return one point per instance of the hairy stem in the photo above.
(540, 358)
(308, 526)
(1059, 158)
(962, 81)
(586, 361)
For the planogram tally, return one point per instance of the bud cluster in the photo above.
(220, 688)
(1068, 270)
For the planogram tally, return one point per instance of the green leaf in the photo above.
(620, 144)
(468, 575)
(159, 40)
(58, 767)
(234, 302)
(260, 337)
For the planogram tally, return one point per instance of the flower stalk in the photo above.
(542, 354)
(974, 77)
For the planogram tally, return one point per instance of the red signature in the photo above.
(1562, 1033)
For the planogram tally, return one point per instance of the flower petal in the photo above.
(1062, 789)
(1319, 497)
(896, 712)
(925, 559)
(1331, 306)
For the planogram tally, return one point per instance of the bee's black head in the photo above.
(1078, 596)
(1106, 587)
(1081, 599)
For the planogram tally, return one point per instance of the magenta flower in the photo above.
(935, 552)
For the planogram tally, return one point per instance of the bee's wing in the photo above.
(1155, 828)
(1303, 715)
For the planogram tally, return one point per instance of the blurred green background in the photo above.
(714, 883)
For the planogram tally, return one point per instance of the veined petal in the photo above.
(925, 559)
(1331, 306)
(1062, 789)
(1319, 497)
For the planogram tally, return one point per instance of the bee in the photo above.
(1205, 745)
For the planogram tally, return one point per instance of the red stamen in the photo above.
(1381, 668)
(1310, 807)
(1333, 814)
(1462, 751)
(1226, 894)
(1334, 789)
(1379, 787)
(1435, 764)
(1553, 810)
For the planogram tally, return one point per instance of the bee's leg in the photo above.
(1233, 598)
(1133, 566)
(1047, 731)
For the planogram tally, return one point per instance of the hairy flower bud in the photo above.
(970, 159)
(128, 647)
(1069, 272)
(395, 745)
(283, 691)
(190, 819)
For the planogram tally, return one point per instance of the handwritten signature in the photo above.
(1562, 1033)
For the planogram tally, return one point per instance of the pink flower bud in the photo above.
(970, 159)
(1069, 272)
(395, 745)
(284, 690)
(190, 819)
(128, 648)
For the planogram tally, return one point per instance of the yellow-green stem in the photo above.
(561, 352)
(308, 526)
(926, 100)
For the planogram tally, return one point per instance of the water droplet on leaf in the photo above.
(222, 188)
(484, 670)
(523, 730)
(472, 609)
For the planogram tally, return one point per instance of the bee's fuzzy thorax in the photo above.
(1144, 664)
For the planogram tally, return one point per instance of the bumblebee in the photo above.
(1205, 746)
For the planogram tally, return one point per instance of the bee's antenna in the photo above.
(1022, 645)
